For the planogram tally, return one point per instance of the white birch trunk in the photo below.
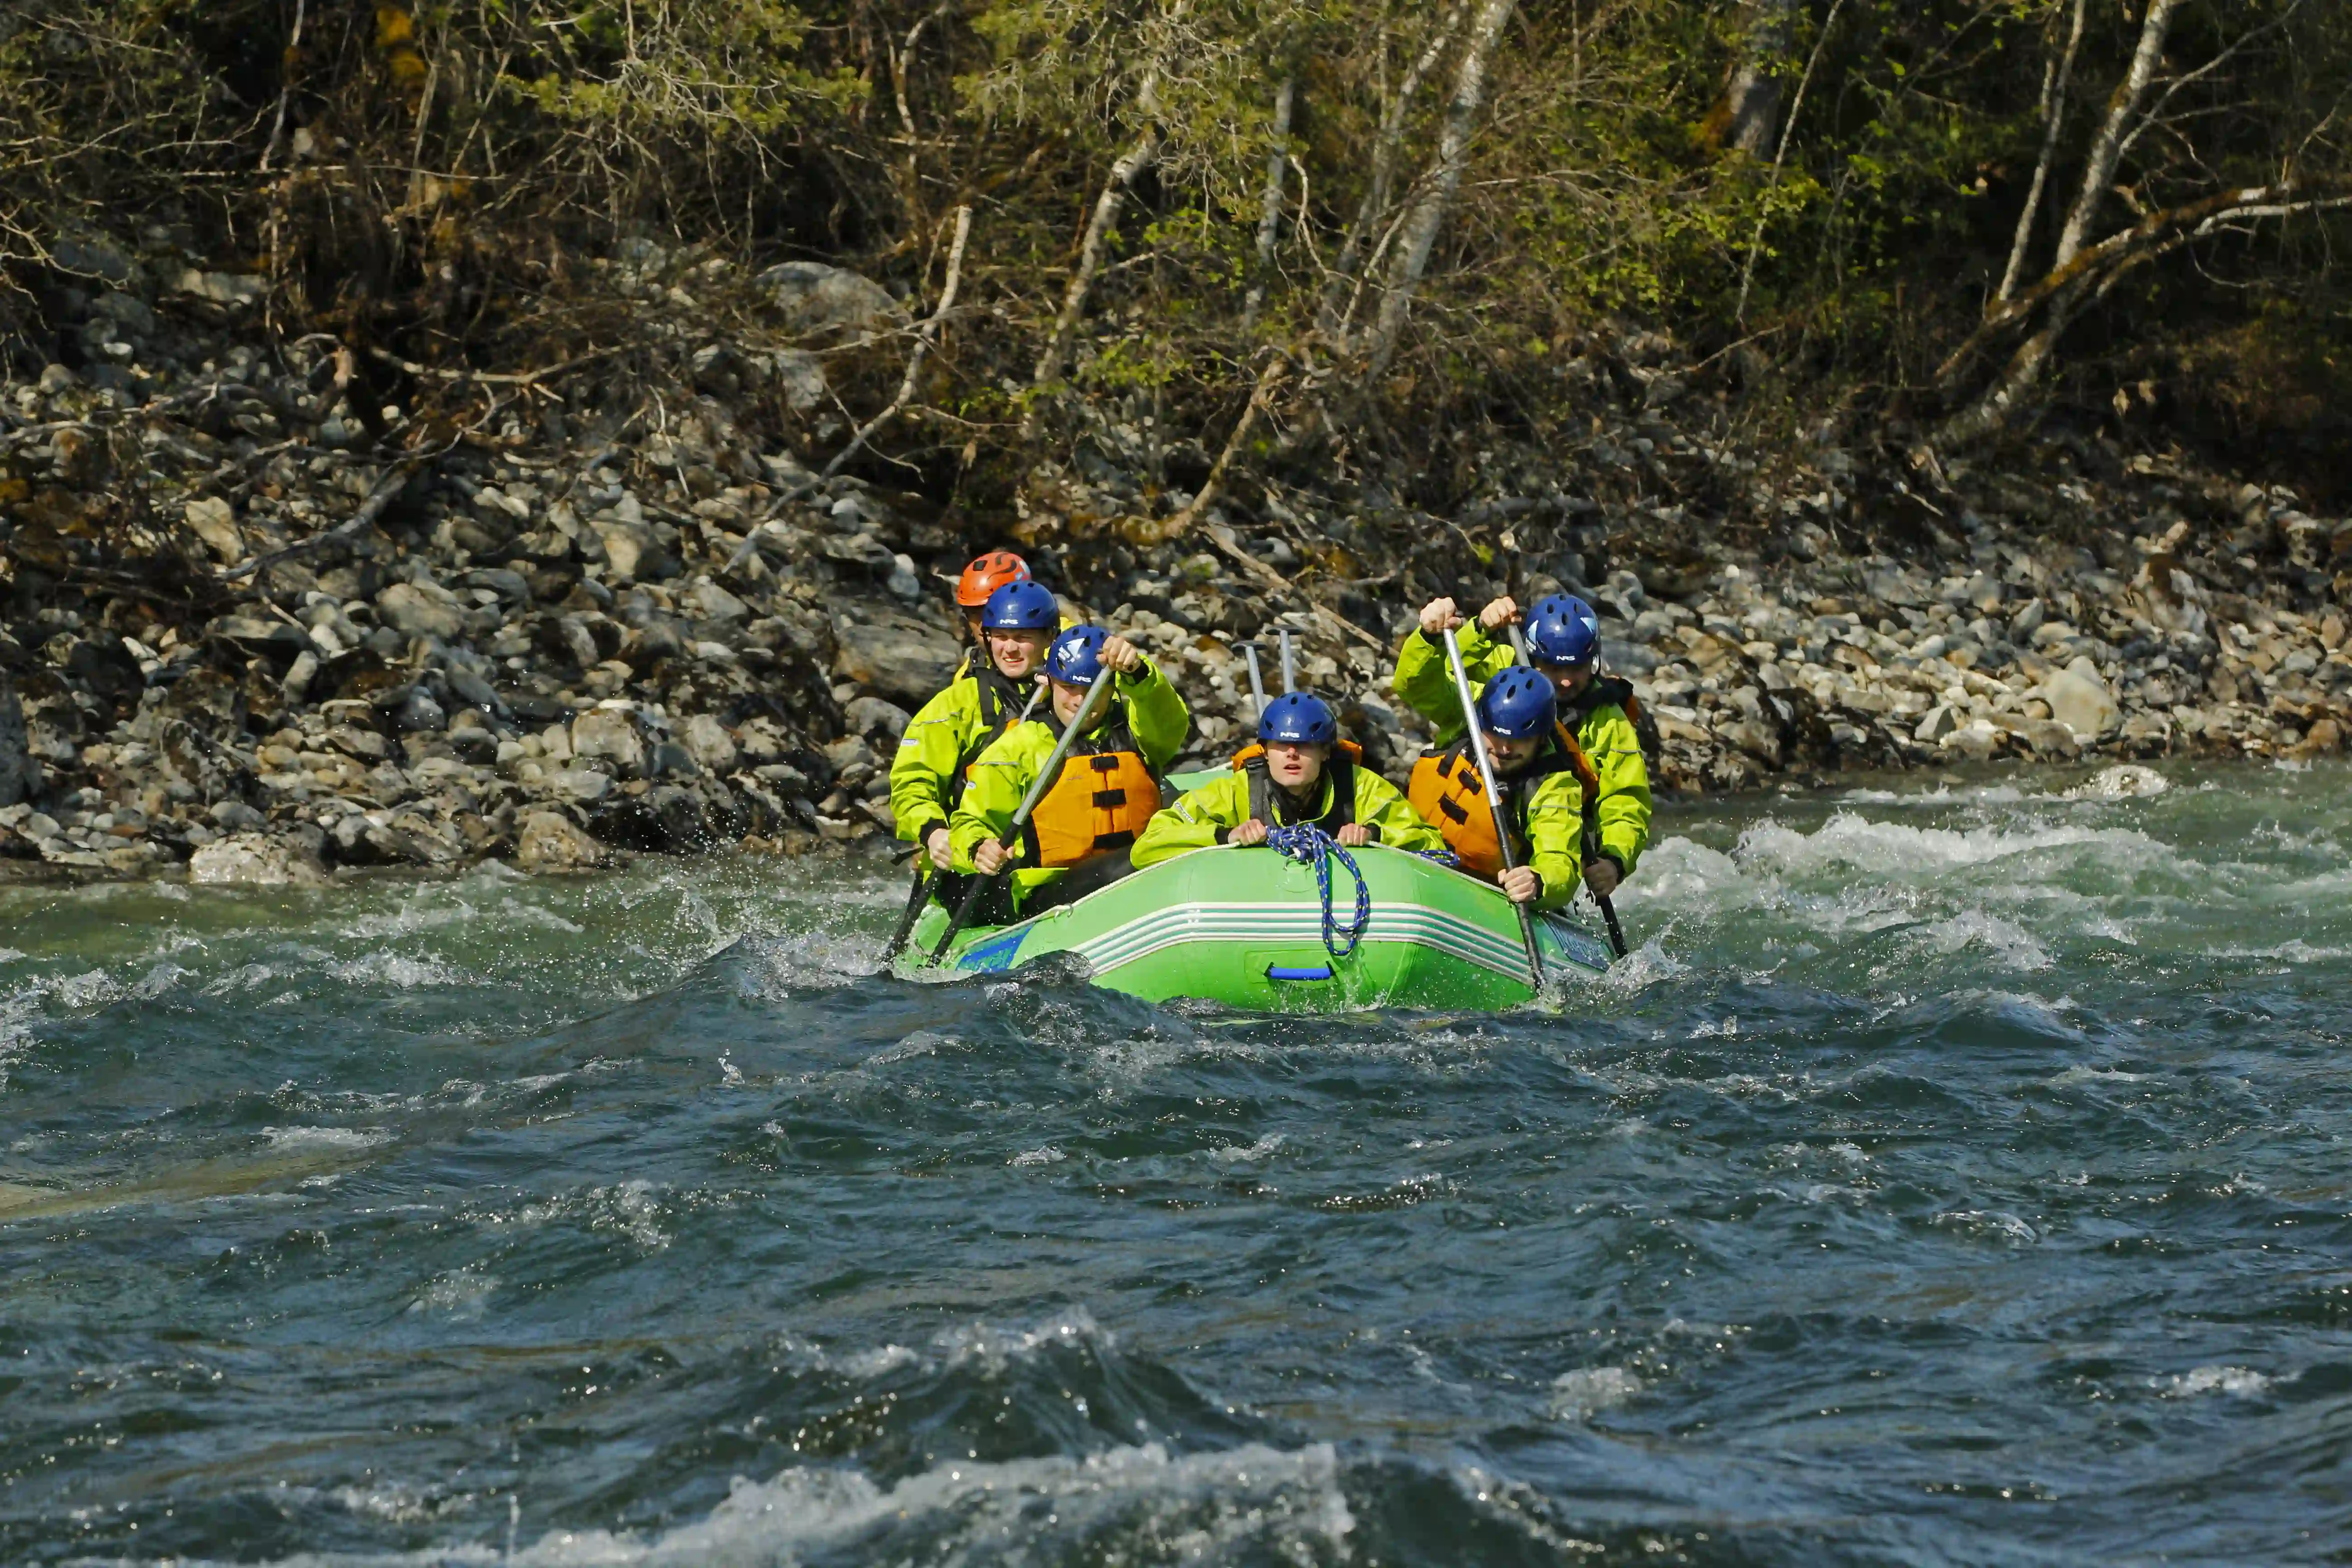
(1419, 234)
(1269, 217)
(2056, 77)
(2108, 146)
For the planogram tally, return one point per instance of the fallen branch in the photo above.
(394, 480)
(529, 379)
(1181, 520)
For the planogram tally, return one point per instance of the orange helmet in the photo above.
(987, 574)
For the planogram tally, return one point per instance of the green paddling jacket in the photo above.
(944, 738)
(1146, 708)
(1602, 729)
(1205, 815)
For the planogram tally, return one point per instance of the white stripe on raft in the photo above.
(1291, 923)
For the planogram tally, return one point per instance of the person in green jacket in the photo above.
(1290, 777)
(1104, 795)
(1564, 644)
(1519, 719)
(943, 740)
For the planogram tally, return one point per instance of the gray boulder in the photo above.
(2079, 700)
(549, 841)
(420, 610)
(611, 735)
(896, 658)
(815, 298)
(20, 775)
(255, 860)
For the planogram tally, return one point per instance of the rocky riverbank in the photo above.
(259, 627)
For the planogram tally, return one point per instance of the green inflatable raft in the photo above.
(1245, 926)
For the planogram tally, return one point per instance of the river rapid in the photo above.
(1956, 1173)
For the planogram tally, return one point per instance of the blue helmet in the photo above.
(1075, 657)
(1299, 717)
(1021, 608)
(1518, 705)
(1563, 630)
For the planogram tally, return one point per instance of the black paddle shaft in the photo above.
(914, 910)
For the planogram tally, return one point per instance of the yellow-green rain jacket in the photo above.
(942, 740)
(1607, 735)
(1203, 815)
(1154, 714)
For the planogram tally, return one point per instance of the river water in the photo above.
(1957, 1174)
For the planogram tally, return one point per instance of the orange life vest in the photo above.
(1099, 803)
(1447, 792)
(1346, 757)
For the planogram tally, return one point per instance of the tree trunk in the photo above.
(1749, 115)
(1419, 233)
(2055, 79)
(2108, 146)
(1132, 163)
(1269, 217)
(1328, 317)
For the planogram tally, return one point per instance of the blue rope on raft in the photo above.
(1311, 844)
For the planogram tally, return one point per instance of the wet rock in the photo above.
(2126, 780)
(709, 743)
(585, 786)
(420, 610)
(215, 521)
(872, 717)
(815, 299)
(895, 657)
(611, 736)
(20, 775)
(254, 859)
(549, 841)
(2079, 699)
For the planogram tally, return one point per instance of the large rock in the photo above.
(630, 551)
(2079, 700)
(895, 657)
(709, 743)
(215, 521)
(255, 860)
(416, 610)
(551, 841)
(20, 775)
(611, 735)
(815, 298)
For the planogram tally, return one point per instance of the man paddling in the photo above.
(1300, 771)
(1518, 714)
(1563, 638)
(1107, 791)
(943, 740)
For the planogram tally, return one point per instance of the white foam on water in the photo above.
(2238, 1382)
(628, 1208)
(1200, 1507)
(462, 1295)
(995, 1349)
(2124, 781)
(1975, 930)
(2091, 1075)
(1849, 842)
(9, 954)
(806, 960)
(1582, 1394)
(397, 969)
(325, 1137)
(1048, 1155)
(1988, 1223)
(1229, 1154)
